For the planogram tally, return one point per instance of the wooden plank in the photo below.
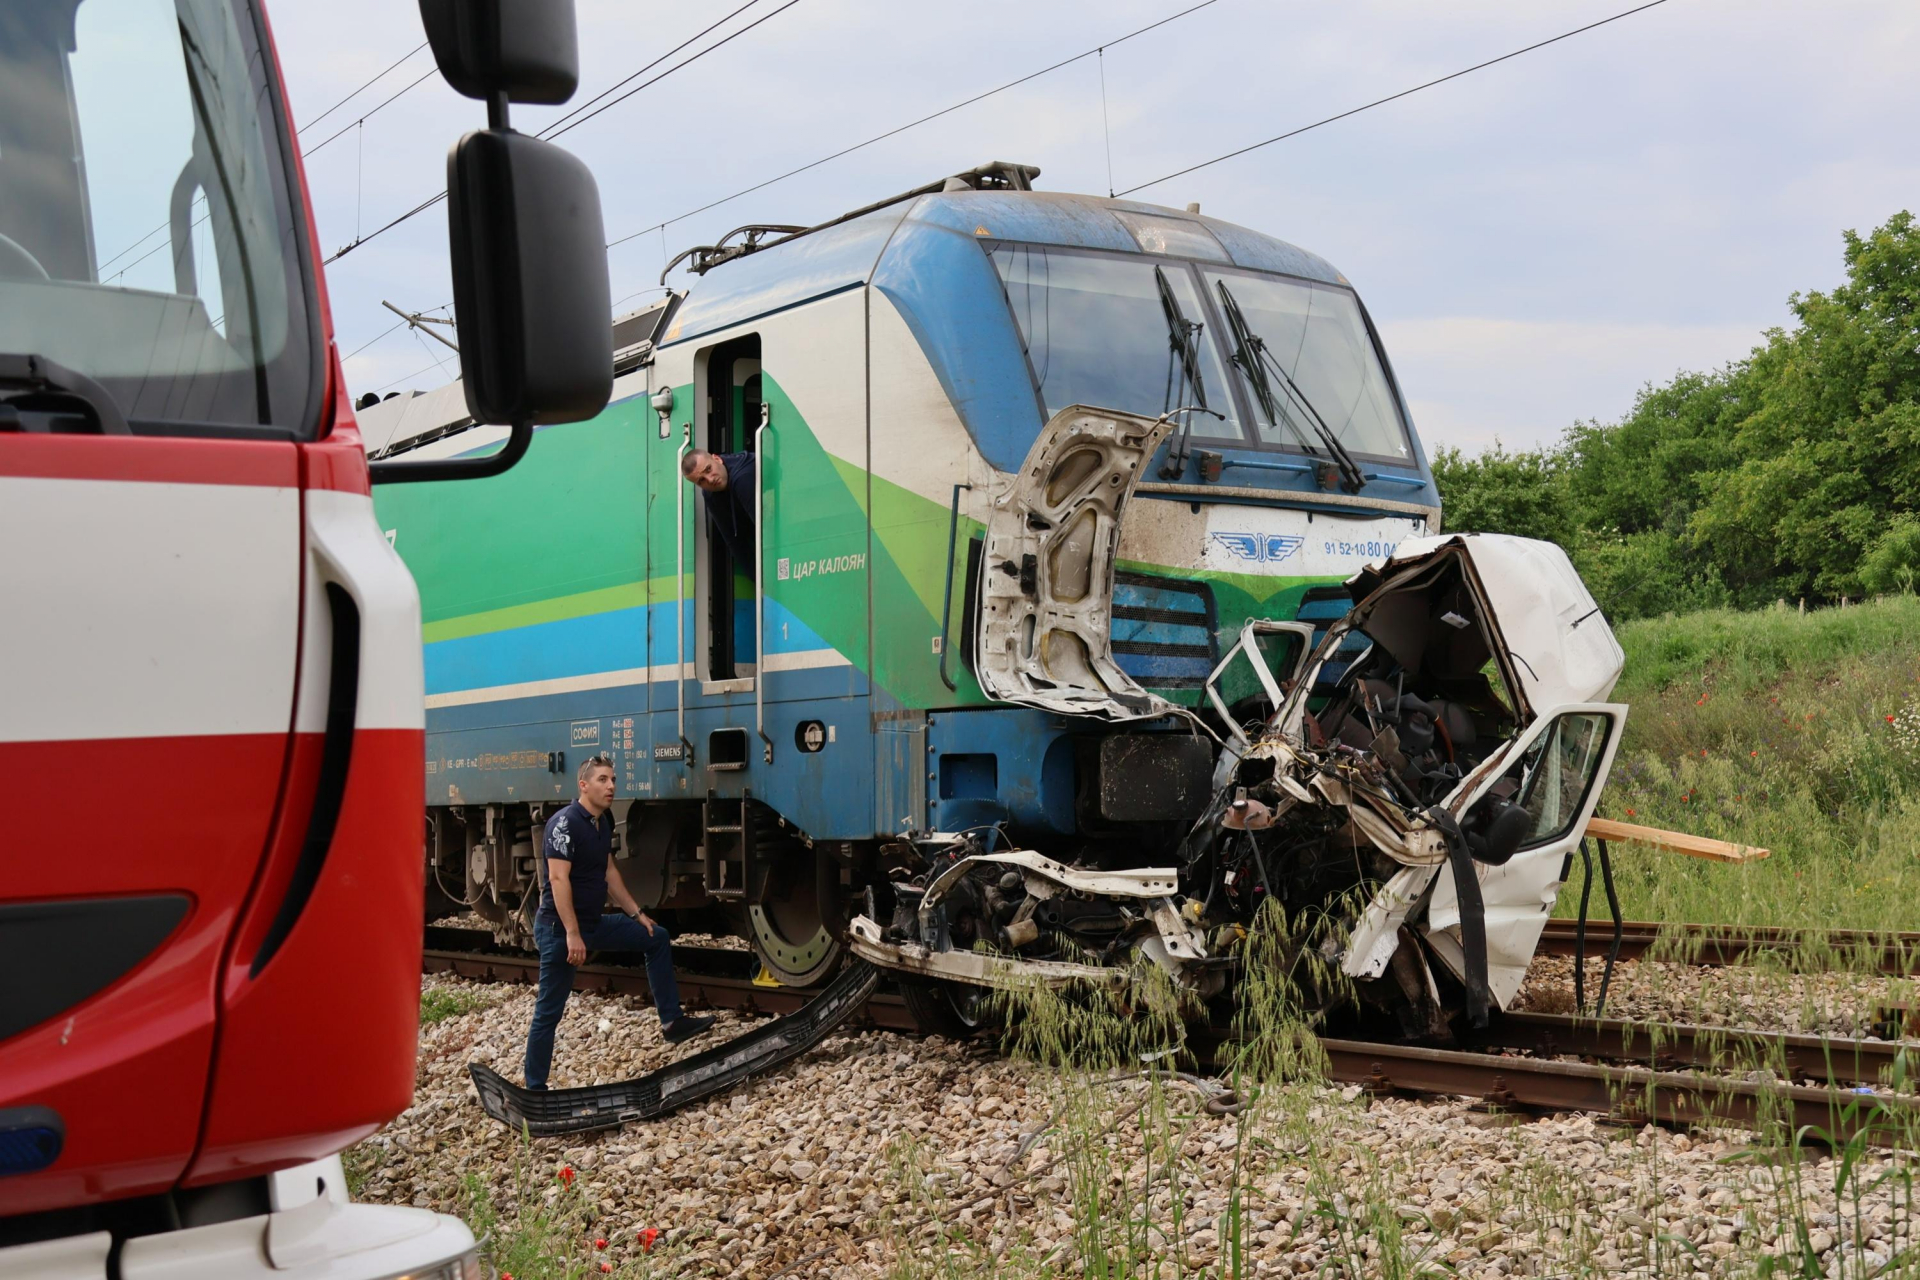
(1674, 841)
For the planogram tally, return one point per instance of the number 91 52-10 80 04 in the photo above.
(1372, 550)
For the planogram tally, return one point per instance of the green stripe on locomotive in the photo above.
(561, 536)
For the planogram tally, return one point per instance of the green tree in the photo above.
(1793, 472)
(1826, 459)
(1521, 493)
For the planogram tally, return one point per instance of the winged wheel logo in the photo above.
(1260, 548)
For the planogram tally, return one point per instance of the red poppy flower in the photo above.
(645, 1238)
(606, 1267)
(566, 1174)
(600, 1243)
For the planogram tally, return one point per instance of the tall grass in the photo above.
(1138, 1170)
(1796, 732)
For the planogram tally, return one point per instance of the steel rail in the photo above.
(710, 977)
(1634, 1095)
(1627, 1093)
(1895, 954)
(1664, 1046)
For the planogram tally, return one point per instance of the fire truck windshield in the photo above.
(150, 237)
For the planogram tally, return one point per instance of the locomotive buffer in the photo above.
(555, 1112)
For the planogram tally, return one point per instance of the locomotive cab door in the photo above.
(725, 583)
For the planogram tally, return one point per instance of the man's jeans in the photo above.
(610, 933)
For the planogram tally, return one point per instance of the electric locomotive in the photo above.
(1028, 462)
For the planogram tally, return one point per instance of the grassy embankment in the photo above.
(1796, 732)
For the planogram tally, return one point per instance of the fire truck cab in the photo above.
(210, 675)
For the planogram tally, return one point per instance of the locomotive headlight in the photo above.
(663, 405)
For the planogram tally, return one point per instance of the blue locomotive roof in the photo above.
(1095, 222)
(848, 255)
(926, 256)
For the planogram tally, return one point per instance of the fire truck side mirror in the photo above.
(529, 246)
(529, 280)
(525, 49)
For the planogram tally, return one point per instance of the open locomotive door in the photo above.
(772, 886)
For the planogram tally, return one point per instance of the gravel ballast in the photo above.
(880, 1154)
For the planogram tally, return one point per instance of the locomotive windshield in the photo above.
(1095, 330)
(1319, 339)
(1096, 333)
(148, 240)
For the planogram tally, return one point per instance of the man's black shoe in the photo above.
(686, 1027)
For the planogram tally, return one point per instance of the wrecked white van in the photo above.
(1419, 812)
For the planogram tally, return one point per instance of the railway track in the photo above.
(710, 978)
(1894, 954)
(1633, 1072)
(1821, 1060)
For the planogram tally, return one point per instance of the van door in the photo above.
(1559, 769)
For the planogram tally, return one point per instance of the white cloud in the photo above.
(1471, 380)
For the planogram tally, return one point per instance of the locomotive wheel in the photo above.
(941, 1008)
(791, 930)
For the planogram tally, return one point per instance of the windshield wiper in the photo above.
(1251, 354)
(1183, 347)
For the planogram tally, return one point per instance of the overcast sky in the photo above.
(1536, 241)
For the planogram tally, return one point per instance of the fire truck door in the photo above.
(150, 638)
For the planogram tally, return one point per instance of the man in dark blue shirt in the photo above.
(728, 483)
(579, 877)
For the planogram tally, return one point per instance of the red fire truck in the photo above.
(210, 680)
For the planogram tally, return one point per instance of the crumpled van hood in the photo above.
(1561, 649)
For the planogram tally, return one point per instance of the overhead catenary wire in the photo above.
(1394, 97)
(303, 155)
(648, 67)
(408, 377)
(394, 65)
(370, 341)
(729, 37)
(912, 124)
(101, 269)
(685, 62)
(1096, 51)
(1106, 125)
(661, 227)
(362, 119)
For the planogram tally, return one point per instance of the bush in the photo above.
(1894, 562)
